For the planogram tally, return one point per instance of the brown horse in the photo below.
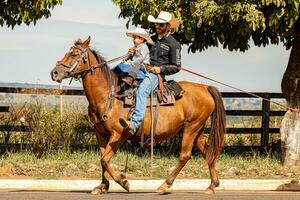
(189, 114)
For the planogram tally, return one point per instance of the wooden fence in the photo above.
(265, 113)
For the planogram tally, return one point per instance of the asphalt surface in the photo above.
(219, 195)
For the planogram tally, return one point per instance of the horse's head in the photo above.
(74, 63)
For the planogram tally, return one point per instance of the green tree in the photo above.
(233, 24)
(16, 12)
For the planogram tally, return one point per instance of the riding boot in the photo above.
(127, 125)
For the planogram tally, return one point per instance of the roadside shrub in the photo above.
(49, 131)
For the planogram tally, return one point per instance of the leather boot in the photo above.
(128, 80)
(127, 125)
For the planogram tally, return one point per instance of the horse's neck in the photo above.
(96, 87)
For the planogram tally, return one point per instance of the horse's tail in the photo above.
(218, 127)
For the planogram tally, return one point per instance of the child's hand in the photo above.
(131, 51)
(155, 70)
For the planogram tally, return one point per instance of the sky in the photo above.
(28, 53)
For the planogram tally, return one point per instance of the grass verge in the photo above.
(86, 165)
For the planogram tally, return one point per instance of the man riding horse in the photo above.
(189, 114)
(164, 60)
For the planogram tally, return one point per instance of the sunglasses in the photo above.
(160, 24)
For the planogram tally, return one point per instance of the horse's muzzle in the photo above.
(58, 76)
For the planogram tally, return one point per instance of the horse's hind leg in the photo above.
(213, 177)
(188, 138)
(201, 145)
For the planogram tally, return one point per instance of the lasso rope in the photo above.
(235, 88)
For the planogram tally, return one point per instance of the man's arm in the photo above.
(175, 61)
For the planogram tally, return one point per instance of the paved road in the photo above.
(220, 195)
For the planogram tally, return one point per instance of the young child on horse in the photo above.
(165, 59)
(140, 54)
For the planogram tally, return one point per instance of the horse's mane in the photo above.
(110, 75)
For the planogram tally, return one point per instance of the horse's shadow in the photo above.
(292, 186)
(85, 192)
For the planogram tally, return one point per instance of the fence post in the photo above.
(265, 122)
(61, 103)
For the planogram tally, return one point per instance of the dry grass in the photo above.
(61, 165)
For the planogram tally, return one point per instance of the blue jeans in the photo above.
(142, 94)
(136, 71)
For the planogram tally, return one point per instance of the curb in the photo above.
(151, 185)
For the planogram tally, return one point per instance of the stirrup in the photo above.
(128, 80)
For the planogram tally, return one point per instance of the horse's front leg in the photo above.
(104, 186)
(102, 142)
(114, 143)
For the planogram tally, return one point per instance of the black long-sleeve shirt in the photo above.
(165, 53)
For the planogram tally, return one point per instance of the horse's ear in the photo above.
(86, 43)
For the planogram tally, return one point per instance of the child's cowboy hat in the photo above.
(164, 17)
(141, 33)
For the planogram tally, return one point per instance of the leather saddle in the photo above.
(165, 95)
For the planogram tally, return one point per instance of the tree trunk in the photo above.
(290, 85)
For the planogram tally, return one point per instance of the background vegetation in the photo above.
(49, 130)
(61, 146)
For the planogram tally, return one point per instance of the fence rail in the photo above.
(265, 113)
(4, 108)
(45, 91)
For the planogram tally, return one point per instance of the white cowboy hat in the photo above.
(164, 17)
(141, 33)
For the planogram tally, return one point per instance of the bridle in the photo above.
(84, 57)
(73, 71)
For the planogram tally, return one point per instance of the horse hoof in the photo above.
(97, 191)
(163, 189)
(101, 189)
(209, 191)
(125, 185)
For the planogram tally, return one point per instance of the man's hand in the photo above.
(155, 70)
(131, 51)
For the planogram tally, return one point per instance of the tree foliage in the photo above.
(231, 23)
(16, 12)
